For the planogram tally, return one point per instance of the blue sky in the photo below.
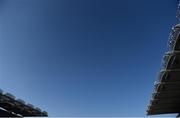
(84, 57)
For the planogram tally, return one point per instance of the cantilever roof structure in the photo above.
(165, 98)
(12, 107)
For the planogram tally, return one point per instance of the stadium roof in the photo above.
(12, 107)
(166, 96)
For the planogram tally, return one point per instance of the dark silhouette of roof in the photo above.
(166, 96)
(12, 107)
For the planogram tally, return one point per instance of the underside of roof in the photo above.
(9, 106)
(5, 113)
(165, 98)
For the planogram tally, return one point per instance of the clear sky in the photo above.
(84, 57)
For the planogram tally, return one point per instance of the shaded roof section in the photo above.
(5, 113)
(10, 106)
(166, 95)
(165, 98)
